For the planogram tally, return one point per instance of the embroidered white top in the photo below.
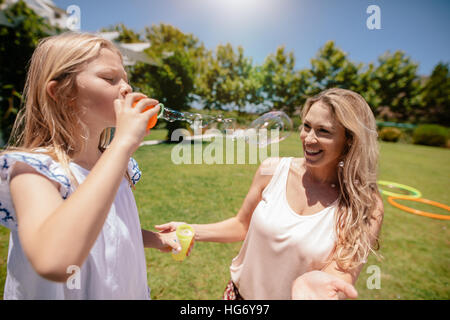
(116, 266)
(280, 244)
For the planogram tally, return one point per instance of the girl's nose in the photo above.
(125, 89)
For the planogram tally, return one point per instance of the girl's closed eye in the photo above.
(108, 78)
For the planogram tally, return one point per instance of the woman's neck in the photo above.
(322, 175)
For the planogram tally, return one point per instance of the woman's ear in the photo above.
(51, 89)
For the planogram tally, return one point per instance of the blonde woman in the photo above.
(308, 224)
(65, 191)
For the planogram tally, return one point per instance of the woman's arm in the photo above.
(235, 228)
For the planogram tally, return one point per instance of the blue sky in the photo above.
(418, 27)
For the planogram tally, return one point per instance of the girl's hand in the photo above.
(168, 232)
(169, 242)
(131, 122)
(320, 285)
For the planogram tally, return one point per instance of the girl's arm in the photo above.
(55, 234)
(164, 242)
(235, 228)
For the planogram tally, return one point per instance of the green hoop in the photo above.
(414, 192)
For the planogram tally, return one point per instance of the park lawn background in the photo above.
(415, 249)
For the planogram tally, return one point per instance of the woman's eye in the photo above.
(324, 131)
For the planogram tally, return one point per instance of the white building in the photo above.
(131, 52)
(46, 9)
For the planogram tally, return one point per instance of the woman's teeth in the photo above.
(312, 153)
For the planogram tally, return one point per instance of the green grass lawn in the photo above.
(415, 249)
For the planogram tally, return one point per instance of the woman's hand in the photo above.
(320, 285)
(169, 227)
(167, 233)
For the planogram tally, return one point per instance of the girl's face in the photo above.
(323, 137)
(101, 82)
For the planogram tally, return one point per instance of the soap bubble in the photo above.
(225, 125)
(271, 127)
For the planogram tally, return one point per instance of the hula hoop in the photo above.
(415, 193)
(420, 212)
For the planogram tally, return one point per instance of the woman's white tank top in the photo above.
(280, 244)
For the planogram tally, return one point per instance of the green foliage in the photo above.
(229, 79)
(224, 79)
(390, 134)
(436, 96)
(430, 135)
(397, 86)
(331, 68)
(126, 35)
(171, 81)
(284, 87)
(20, 31)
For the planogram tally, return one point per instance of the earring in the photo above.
(341, 164)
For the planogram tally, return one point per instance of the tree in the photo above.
(283, 87)
(397, 85)
(20, 31)
(367, 87)
(331, 68)
(126, 35)
(228, 79)
(171, 80)
(164, 38)
(436, 96)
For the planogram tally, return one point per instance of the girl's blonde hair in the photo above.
(357, 178)
(46, 125)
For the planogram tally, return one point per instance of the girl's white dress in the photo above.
(116, 266)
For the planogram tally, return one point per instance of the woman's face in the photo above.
(101, 82)
(323, 137)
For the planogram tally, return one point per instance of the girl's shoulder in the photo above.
(133, 171)
(26, 162)
(40, 162)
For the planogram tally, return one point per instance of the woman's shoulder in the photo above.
(269, 168)
(270, 165)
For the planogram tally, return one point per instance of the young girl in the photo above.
(308, 224)
(65, 190)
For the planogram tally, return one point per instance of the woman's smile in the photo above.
(312, 153)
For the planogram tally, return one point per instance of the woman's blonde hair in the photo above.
(44, 124)
(357, 178)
